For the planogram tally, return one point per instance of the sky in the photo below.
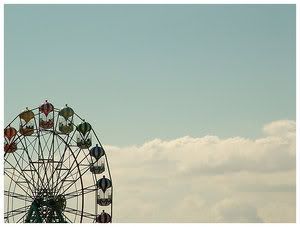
(206, 93)
(143, 72)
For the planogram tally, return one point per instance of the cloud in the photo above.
(229, 210)
(212, 155)
(280, 128)
(207, 179)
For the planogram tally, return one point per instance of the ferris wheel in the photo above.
(55, 169)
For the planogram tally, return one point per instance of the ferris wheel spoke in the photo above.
(57, 150)
(24, 169)
(20, 156)
(55, 153)
(22, 217)
(25, 147)
(26, 143)
(81, 180)
(22, 173)
(46, 143)
(17, 211)
(79, 192)
(61, 160)
(79, 163)
(67, 218)
(18, 196)
(40, 156)
(77, 212)
(69, 169)
(63, 167)
(56, 122)
(86, 167)
(45, 177)
(31, 143)
(70, 138)
(74, 181)
(18, 184)
(12, 188)
(59, 167)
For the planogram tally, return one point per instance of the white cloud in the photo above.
(207, 179)
(280, 128)
(230, 210)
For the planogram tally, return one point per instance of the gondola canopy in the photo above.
(103, 217)
(46, 108)
(84, 128)
(10, 132)
(97, 152)
(66, 112)
(26, 115)
(104, 184)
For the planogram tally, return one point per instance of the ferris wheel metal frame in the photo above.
(40, 182)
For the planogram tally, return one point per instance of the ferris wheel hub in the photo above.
(46, 208)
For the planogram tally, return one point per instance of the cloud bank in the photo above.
(207, 179)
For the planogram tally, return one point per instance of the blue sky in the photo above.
(139, 72)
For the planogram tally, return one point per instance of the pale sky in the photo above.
(195, 103)
(140, 72)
